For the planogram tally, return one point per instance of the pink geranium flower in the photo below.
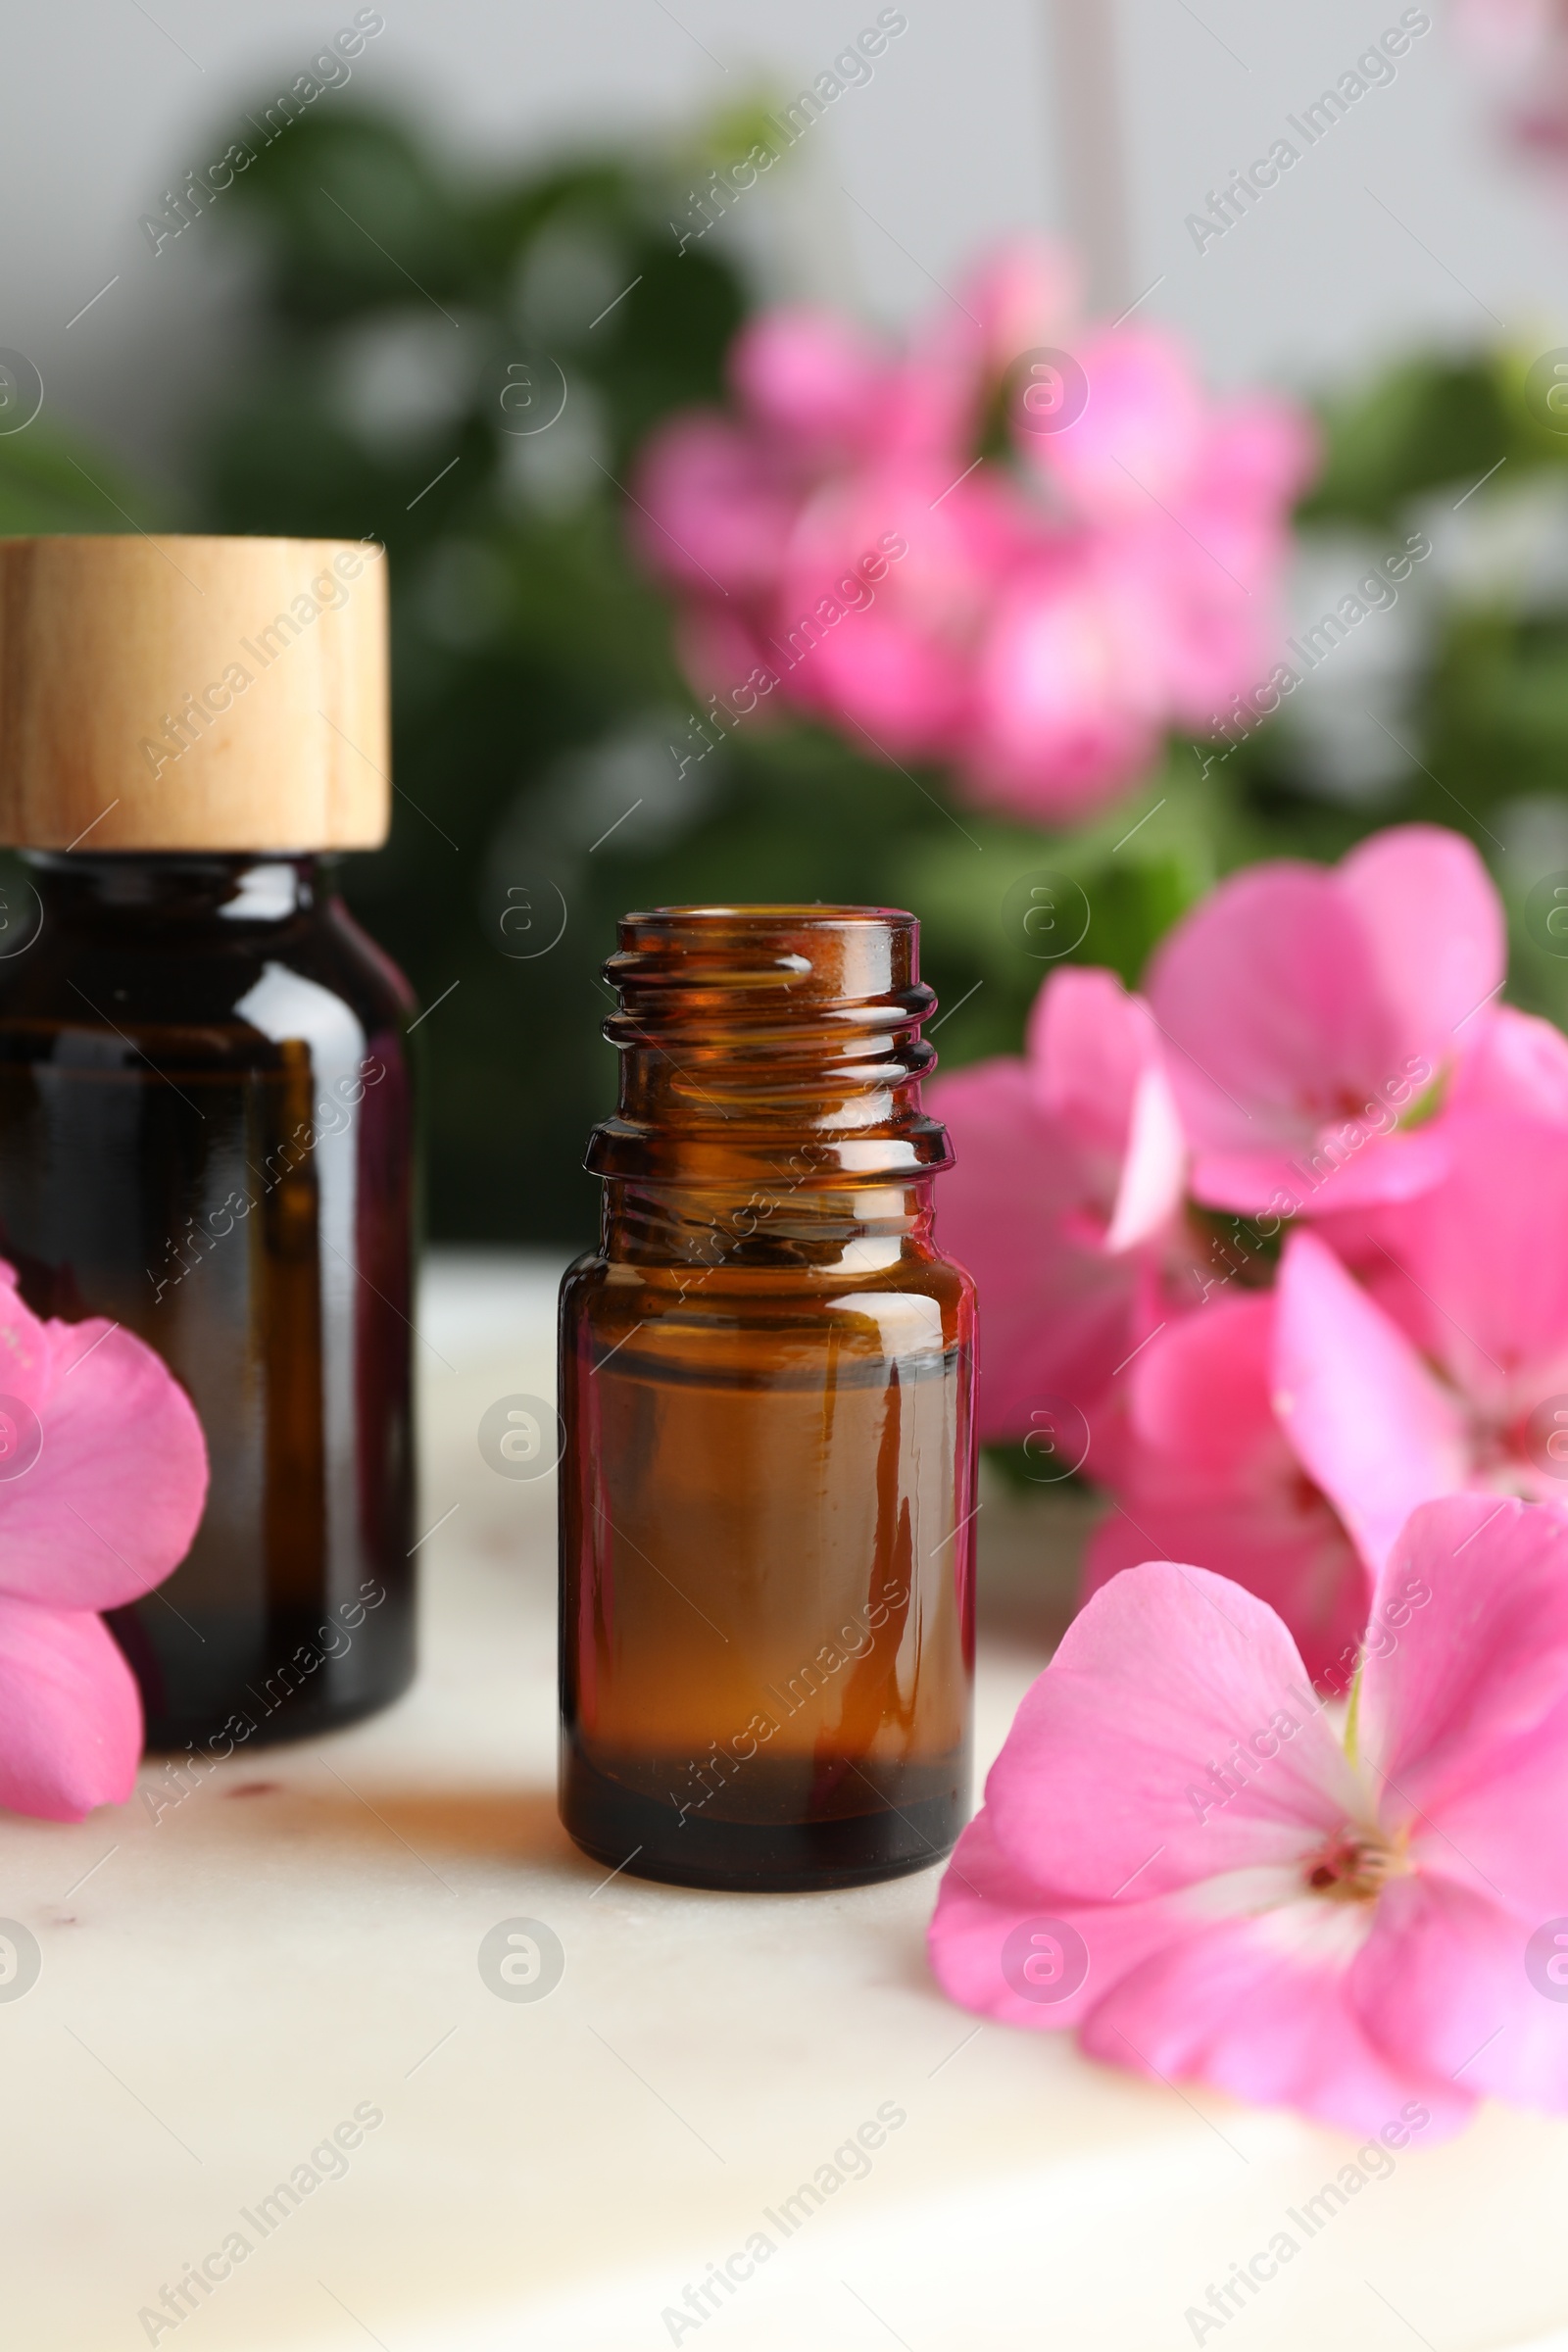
(104, 1478)
(1065, 1203)
(1313, 1016)
(1184, 1857)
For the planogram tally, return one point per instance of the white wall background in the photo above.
(959, 137)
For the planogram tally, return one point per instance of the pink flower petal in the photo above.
(1260, 455)
(1268, 991)
(1044, 622)
(1067, 709)
(1096, 1055)
(985, 1899)
(1442, 1983)
(1511, 1813)
(1017, 298)
(1140, 438)
(1206, 1475)
(1199, 1392)
(1476, 1271)
(882, 588)
(714, 507)
(25, 1357)
(1258, 2008)
(70, 1713)
(1512, 1061)
(1369, 1421)
(1058, 1313)
(1099, 1069)
(1309, 1010)
(1345, 1166)
(1117, 1764)
(1435, 925)
(810, 376)
(1021, 293)
(1090, 1042)
(1484, 1661)
(1256, 2005)
(115, 1497)
(1152, 1172)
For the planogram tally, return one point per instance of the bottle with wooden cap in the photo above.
(204, 1087)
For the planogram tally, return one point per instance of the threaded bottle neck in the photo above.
(751, 1033)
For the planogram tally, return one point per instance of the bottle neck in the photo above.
(762, 1046)
(853, 1229)
(206, 889)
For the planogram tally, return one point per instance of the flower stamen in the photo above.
(1354, 1866)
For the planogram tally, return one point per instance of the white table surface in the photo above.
(224, 1985)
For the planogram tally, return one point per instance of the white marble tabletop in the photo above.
(277, 1981)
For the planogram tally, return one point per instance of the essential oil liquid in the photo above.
(767, 1652)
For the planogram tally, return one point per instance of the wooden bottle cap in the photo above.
(185, 693)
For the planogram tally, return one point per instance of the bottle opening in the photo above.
(746, 1029)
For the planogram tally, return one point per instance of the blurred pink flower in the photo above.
(1314, 1013)
(1507, 27)
(1181, 1856)
(818, 383)
(1065, 1206)
(1069, 680)
(886, 539)
(1205, 1472)
(899, 589)
(105, 1476)
(1522, 47)
(1019, 297)
(1140, 444)
(731, 507)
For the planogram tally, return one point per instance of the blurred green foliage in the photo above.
(46, 485)
(415, 332)
(1434, 439)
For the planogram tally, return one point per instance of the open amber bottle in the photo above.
(766, 1376)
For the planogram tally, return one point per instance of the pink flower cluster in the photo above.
(1280, 1248)
(1024, 562)
(1282, 1238)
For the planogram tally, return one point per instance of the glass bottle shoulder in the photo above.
(230, 987)
(884, 1301)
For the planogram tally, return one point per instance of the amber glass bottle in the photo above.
(767, 1379)
(204, 1088)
